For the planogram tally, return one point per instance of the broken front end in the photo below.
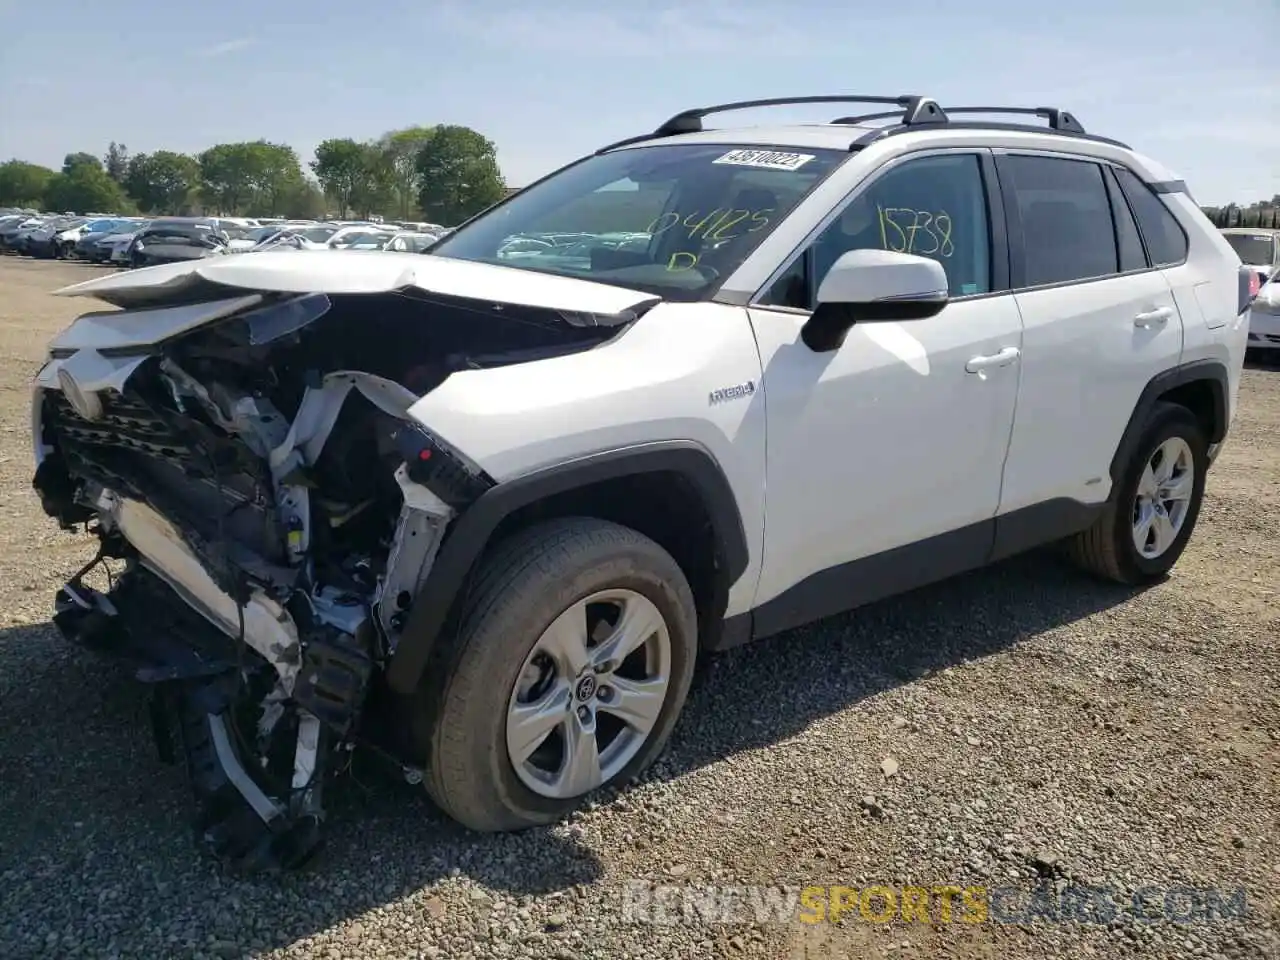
(269, 509)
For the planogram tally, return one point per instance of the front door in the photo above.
(885, 456)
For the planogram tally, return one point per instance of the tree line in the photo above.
(1264, 213)
(442, 174)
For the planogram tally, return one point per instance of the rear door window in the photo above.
(1065, 214)
(1132, 255)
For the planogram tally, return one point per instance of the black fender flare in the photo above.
(1214, 372)
(471, 531)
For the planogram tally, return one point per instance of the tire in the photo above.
(525, 585)
(1109, 548)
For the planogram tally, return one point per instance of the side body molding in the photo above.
(470, 534)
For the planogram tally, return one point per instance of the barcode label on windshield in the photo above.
(767, 159)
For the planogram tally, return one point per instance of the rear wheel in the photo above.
(1146, 526)
(572, 664)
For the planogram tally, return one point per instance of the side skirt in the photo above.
(868, 579)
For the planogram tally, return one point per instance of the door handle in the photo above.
(1001, 359)
(1154, 318)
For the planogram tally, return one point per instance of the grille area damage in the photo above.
(254, 470)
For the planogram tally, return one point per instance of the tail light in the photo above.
(1250, 284)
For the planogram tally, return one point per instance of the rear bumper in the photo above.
(1264, 331)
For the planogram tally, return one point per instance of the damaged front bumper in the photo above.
(260, 672)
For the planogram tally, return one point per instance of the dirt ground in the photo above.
(1015, 724)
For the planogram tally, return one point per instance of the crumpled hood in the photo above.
(356, 272)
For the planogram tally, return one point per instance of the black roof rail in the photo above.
(914, 111)
(911, 107)
(1058, 119)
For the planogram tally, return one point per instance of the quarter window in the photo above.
(1067, 230)
(1166, 243)
(933, 207)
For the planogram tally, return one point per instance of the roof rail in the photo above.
(911, 107)
(913, 111)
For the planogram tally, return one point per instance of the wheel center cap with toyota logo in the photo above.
(586, 688)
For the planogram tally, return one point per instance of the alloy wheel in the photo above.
(589, 694)
(1163, 498)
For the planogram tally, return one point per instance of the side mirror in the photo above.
(873, 286)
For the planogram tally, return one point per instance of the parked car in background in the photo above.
(114, 248)
(13, 239)
(42, 242)
(175, 239)
(91, 245)
(359, 237)
(258, 236)
(10, 223)
(411, 242)
(1257, 247)
(67, 240)
(1264, 317)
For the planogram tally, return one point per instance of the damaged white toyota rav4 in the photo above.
(485, 508)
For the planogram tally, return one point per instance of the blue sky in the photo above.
(1194, 84)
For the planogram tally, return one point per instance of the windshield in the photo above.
(1255, 249)
(673, 219)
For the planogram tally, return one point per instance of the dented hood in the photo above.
(355, 272)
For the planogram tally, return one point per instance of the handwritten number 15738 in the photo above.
(923, 232)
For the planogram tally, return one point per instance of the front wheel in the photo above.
(572, 664)
(1148, 522)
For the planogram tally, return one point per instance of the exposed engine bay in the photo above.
(275, 510)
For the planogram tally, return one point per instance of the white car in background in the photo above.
(1264, 317)
(258, 237)
(411, 241)
(364, 236)
(1257, 247)
(313, 236)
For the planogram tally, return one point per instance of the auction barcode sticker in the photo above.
(767, 159)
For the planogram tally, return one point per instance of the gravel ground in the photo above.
(1018, 722)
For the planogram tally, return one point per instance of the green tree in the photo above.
(400, 149)
(162, 182)
(86, 188)
(23, 184)
(116, 162)
(255, 175)
(459, 175)
(74, 160)
(225, 177)
(277, 174)
(302, 200)
(343, 167)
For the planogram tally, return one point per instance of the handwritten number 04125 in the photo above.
(923, 232)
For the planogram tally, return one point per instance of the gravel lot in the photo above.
(1040, 723)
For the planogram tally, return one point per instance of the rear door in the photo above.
(1099, 322)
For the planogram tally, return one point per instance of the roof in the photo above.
(1251, 230)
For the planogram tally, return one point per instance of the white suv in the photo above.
(486, 508)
